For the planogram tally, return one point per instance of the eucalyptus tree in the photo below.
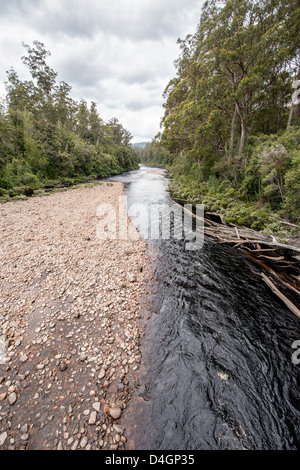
(96, 124)
(227, 72)
(40, 71)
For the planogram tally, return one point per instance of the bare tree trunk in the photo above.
(280, 185)
(243, 136)
(232, 133)
(290, 116)
(295, 100)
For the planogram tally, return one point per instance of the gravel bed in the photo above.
(71, 320)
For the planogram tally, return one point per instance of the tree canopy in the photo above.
(46, 136)
(232, 92)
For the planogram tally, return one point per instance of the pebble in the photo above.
(24, 429)
(115, 412)
(3, 437)
(12, 398)
(83, 442)
(75, 445)
(63, 366)
(93, 417)
(97, 406)
(119, 429)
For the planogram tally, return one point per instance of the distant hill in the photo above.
(140, 144)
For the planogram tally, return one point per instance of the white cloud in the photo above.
(119, 53)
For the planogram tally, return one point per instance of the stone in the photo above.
(119, 429)
(93, 417)
(83, 442)
(23, 357)
(75, 445)
(24, 429)
(3, 437)
(63, 366)
(97, 406)
(83, 356)
(12, 398)
(115, 412)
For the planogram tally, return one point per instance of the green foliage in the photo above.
(155, 154)
(232, 134)
(47, 138)
(269, 191)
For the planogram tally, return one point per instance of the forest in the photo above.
(49, 139)
(230, 133)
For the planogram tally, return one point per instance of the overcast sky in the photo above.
(119, 53)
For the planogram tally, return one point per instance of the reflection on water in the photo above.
(217, 367)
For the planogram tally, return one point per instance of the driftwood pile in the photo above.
(280, 263)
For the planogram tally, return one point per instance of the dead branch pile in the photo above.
(280, 262)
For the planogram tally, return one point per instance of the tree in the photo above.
(64, 106)
(233, 82)
(119, 134)
(40, 71)
(233, 63)
(44, 133)
(82, 116)
(247, 45)
(95, 124)
(274, 163)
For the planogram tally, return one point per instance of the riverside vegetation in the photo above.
(231, 130)
(49, 139)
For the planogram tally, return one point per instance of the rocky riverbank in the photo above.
(71, 322)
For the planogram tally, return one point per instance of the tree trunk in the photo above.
(243, 135)
(232, 133)
(290, 116)
(280, 185)
(295, 101)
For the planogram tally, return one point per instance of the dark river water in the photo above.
(217, 368)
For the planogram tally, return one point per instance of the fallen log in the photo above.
(280, 260)
(288, 281)
(250, 236)
(275, 244)
(273, 258)
(279, 294)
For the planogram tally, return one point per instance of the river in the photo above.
(217, 369)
